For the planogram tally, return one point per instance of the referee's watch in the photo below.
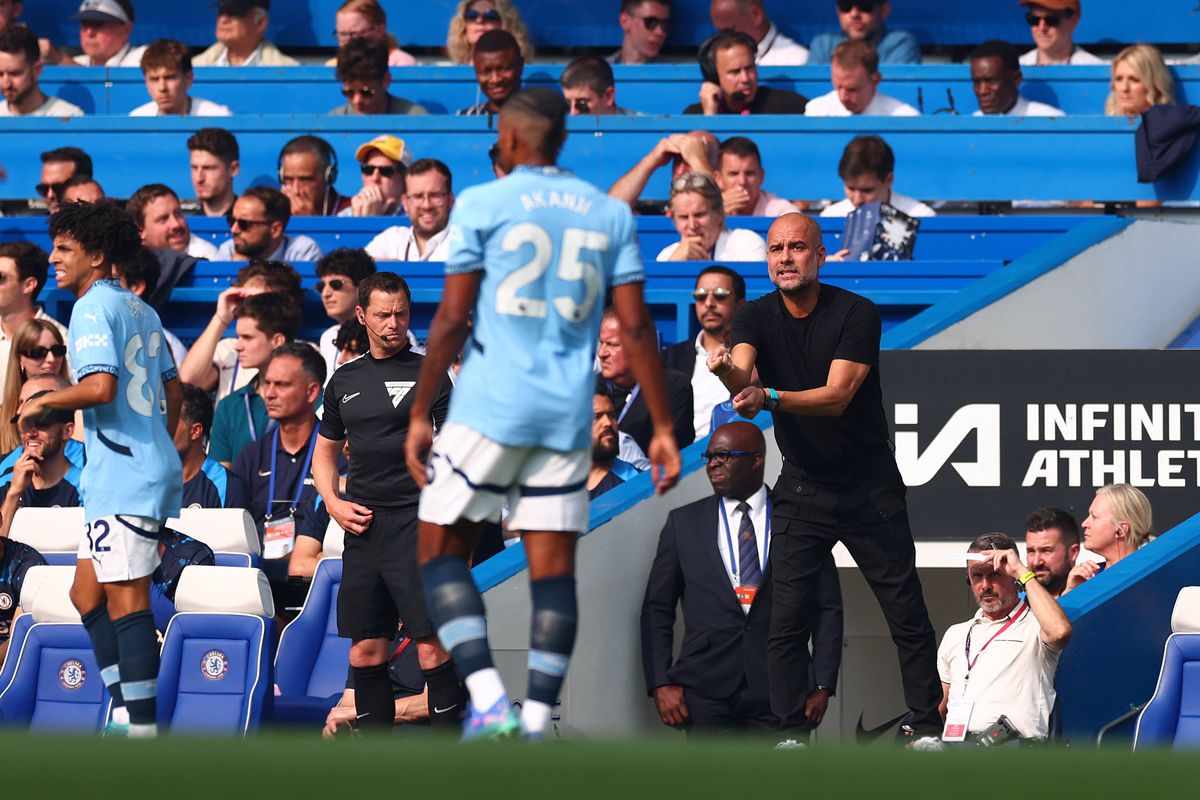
(772, 401)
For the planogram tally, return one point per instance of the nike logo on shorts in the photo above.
(437, 710)
(346, 398)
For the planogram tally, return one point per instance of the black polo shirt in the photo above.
(15, 561)
(367, 401)
(250, 479)
(795, 354)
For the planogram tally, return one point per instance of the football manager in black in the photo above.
(367, 401)
(816, 348)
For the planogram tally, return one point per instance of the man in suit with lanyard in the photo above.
(713, 554)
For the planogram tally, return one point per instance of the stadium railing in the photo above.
(656, 89)
(939, 158)
(310, 23)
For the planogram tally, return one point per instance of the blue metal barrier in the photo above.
(960, 158)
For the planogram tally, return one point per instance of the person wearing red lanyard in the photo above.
(719, 681)
(731, 81)
(1002, 661)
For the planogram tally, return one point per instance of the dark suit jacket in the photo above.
(722, 645)
(636, 421)
(681, 356)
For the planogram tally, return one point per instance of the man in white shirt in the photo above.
(1052, 24)
(740, 177)
(718, 294)
(23, 270)
(854, 70)
(996, 77)
(750, 17)
(428, 199)
(867, 170)
(383, 162)
(241, 38)
(104, 29)
(1002, 661)
(167, 66)
(156, 210)
(698, 211)
(20, 71)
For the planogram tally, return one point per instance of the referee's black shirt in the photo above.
(367, 401)
(795, 354)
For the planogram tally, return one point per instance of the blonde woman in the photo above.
(1118, 523)
(1140, 79)
(474, 18)
(37, 349)
(366, 19)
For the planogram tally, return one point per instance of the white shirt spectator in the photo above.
(1079, 56)
(1028, 108)
(735, 245)
(199, 107)
(1013, 676)
(53, 107)
(397, 244)
(125, 57)
(178, 348)
(707, 391)
(202, 248)
(770, 205)
(292, 248)
(905, 205)
(881, 105)
(777, 50)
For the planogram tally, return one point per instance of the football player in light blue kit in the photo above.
(532, 255)
(133, 480)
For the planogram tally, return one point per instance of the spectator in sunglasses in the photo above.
(23, 268)
(362, 69)
(366, 19)
(428, 199)
(383, 162)
(43, 476)
(58, 166)
(750, 17)
(1053, 23)
(338, 275)
(257, 224)
(473, 18)
(589, 88)
(38, 348)
(20, 69)
(718, 294)
(865, 19)
(645, 24)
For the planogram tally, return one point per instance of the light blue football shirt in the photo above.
(132, 465)
(549, 246)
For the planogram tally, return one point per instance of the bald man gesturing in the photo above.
(816, 348)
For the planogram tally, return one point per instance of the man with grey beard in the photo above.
(1002, 661)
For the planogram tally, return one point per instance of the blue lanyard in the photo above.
(299, 484)
(734, 567)
(628, 402)
(250, 419)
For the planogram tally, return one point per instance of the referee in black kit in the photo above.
(367, 400)
(816, 348)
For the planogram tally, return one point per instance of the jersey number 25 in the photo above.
(570, 268)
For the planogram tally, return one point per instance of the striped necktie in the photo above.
(748, 564)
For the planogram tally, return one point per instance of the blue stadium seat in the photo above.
(1172, 717)
(51, 682)
(216, 674)
(310, 668)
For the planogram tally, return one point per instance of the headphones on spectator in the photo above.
(707, 55)
(328, 154)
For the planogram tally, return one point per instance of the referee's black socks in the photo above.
(447, 698)
(374, 702)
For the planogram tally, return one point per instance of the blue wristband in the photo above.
(772, 401)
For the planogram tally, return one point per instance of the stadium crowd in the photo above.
(255, 392)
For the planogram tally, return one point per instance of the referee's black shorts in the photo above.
(381, 584)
